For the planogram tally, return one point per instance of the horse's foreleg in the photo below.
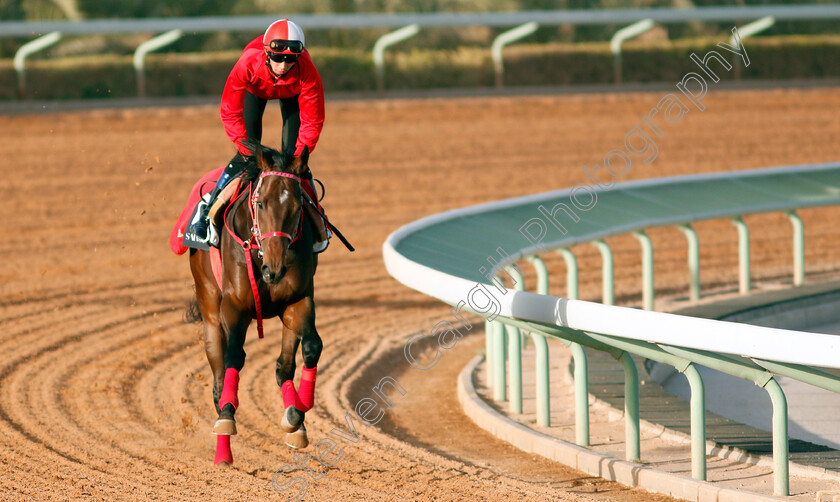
(311, 346)
(299, 320)
(236, 326)
(285, 373)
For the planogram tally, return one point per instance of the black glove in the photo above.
(240, 164)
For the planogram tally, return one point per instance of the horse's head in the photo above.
(277, 206)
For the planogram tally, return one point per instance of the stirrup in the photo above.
(201, 229)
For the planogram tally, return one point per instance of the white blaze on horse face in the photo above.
(284, 196)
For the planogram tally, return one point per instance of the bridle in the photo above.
(256, 234)
(254, 242)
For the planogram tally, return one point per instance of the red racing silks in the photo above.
(230, 389)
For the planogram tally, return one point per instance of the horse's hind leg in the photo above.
(215, 341)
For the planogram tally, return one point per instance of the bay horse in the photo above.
(267, 271)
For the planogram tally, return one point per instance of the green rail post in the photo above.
(519, 285)
(571, 273)
(798, 248)
(620, 36)
(764, 379)
(607, 271)
(647, 269)
(698, 422)
(780, 438)
(499, 373)
(489, 361)
(541, 346)
(146, 47)
(581, 393)
(515, 373)
(631, 408)
(504, 39)
(745, 31)
(743, 255)
(693, 261)
(578, 355)
(27, 50)
(383, 43)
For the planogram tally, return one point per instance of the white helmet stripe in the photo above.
(283, 30)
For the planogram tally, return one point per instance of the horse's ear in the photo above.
(302, 161)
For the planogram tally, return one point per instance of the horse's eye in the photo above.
(259, 204)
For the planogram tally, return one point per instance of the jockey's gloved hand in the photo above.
(250, 167)
(239, 164)
(247, 159)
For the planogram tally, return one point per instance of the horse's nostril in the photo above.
(272, 277)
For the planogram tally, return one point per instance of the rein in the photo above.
(254, 241)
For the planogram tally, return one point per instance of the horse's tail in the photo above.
(193, 313)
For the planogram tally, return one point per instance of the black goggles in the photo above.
(293, 46)
(283, 58)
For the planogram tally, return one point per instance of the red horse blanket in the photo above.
(206, 183)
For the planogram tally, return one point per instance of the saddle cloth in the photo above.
(206, 183)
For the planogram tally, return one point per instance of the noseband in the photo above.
(257, 235)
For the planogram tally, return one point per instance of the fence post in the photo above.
(383, 43)
(499, 372)
(145, 48)
(581, 393)
(747, 31)
(607, 271)
(489, 358)
(647, 269)
(620, 36)
(504, 39)
(693, 261)
(781, 449)
(541, 346)
(698, 422)
(571, 273)
(743, 255)
(25, 51)
(798, 248)
(632, 451)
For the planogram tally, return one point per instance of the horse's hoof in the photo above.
(223, 465)
(292, 420)
(225, 427)
(298, 439)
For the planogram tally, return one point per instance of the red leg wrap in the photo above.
(289, 394)
(223, 453)
(306, 393)
(230, 389)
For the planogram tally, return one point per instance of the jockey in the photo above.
(277, 66)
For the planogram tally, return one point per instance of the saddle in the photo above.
(180, 240)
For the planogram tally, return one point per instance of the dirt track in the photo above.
(104, 392)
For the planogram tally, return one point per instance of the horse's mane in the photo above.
(275, 160)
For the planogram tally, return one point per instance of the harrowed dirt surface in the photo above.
(105, 392)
